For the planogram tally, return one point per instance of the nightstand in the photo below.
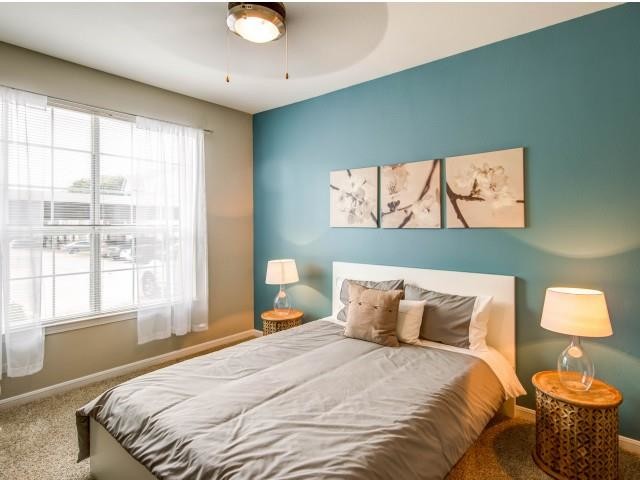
(273, 322)
(576, 432)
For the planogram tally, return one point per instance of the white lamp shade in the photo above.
(576, 311)
(281, 272)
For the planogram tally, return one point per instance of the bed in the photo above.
(311, 403)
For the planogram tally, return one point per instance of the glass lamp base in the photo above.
(281, 303)
(575, 367)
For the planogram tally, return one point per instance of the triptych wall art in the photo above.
(354, 198)
(410, 195)
(484, 190)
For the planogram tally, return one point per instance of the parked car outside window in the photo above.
(76, 247)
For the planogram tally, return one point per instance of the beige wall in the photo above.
(229, 176)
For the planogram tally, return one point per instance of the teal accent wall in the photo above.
(569, 93)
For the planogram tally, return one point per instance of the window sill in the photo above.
(86, 322)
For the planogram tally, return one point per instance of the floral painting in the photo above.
(486, 190)
(354, 197)
(410, 195)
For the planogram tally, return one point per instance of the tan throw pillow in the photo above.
(373, 315)
(344, 292)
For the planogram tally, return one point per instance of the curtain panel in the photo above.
(171, 230)
(21, 229)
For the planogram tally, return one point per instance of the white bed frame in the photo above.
(109, 461)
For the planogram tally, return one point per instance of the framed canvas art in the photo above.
(486, 190)
(410, 195)
(354, 198)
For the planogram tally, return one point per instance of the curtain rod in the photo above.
(108, 111)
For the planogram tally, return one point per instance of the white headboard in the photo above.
(502, 326)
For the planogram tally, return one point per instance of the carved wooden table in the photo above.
(576, 432)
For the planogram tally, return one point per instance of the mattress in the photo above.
(302, 403)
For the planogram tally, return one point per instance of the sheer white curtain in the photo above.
(21, 231)
(170, 251)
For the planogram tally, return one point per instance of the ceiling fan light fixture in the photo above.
(257, 22)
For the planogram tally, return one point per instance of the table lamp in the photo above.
(580, 313)
(281, 272)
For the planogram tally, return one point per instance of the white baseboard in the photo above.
(630, 445)
(526, 413)
(124, 369)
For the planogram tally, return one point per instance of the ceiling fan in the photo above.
(258, 22)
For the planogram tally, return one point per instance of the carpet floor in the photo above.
(38, 442)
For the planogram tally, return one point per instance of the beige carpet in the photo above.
(38, 441)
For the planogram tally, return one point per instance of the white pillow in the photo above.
(409, 320)
(478, 326)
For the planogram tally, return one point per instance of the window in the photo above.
(97, 216)
(83, 168)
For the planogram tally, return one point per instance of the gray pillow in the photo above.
(344, 292)
(446, 317)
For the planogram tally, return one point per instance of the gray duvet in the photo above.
(303, 403)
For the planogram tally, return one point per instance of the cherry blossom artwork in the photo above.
(486, 190)
(354, 198)
(410, 195)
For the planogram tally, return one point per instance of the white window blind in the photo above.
(82, 171)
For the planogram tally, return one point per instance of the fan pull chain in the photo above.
(286, 54)
(226, 49)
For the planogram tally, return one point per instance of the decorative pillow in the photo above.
(409, 320)
(373, 315)
(344, 292)
(455, 320)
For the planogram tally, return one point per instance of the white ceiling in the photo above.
(181, 46)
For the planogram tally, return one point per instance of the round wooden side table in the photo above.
(273, 321)
(576, 432)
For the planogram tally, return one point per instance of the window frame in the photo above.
(96, 317)
(52, 327)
